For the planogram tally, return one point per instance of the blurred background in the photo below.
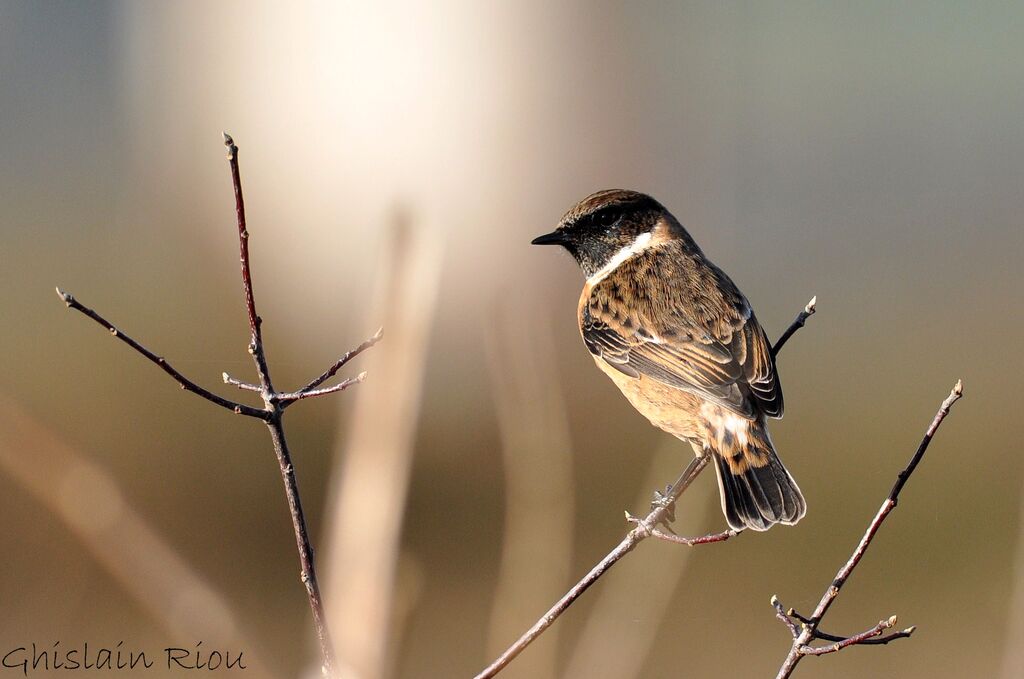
(397, 159)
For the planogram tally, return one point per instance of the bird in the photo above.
(683, 345)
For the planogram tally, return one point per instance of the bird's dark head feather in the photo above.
(603, 223)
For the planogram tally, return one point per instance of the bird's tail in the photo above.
(757, 491)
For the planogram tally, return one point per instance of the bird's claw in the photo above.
(666, 502)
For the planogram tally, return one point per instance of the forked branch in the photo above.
(806, 630)
(340, 363)
(274, 404)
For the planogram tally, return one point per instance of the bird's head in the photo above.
(611, 223)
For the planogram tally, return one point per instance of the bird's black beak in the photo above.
(553, 238)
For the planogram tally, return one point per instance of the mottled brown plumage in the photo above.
(682, 344)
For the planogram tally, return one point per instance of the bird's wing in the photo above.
(706, 342)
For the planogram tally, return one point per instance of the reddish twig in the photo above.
(808, 631)
(274, 423)
(255, 322)
(863, 637)
(661, 511)
(825, 636)
(274, 405)
(689, 542)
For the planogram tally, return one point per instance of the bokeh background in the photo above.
(397, 159)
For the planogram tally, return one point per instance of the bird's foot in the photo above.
(666, 502)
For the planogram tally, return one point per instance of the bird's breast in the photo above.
(672, 410)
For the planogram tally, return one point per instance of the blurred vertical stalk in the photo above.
(619, 631)
(536, 449)
(90, 503)
(364, 513)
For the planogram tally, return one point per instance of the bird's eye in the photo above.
(607, 217)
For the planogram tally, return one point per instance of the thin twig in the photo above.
(784, 617)
(633, 538)
(186, 384)
(642, 590)
(255, 322)
(274, 423)
(286, 399)
(661, 510)
(850, 641)
(244, 386)
(801, 318)
(330, 372)
(791, 612)
(880, 641)
(690, 542)
(825, 636)
(305, 547)
(808, 630)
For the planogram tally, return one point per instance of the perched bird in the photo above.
(683, 345)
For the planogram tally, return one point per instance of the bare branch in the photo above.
(861, 638)
(255, 322)
(785, 617)
(286, 399)
(274, 423)
(245, 386)
(592, 655)
(632, 539)
(825, 636)
(679, 539)
(801, 318)
(186, 384)
(809, 631)
(662, 510)
(793, 614)
(880, 641)
(330, 372)
(272, 412)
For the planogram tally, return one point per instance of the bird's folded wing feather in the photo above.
(730, 365)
